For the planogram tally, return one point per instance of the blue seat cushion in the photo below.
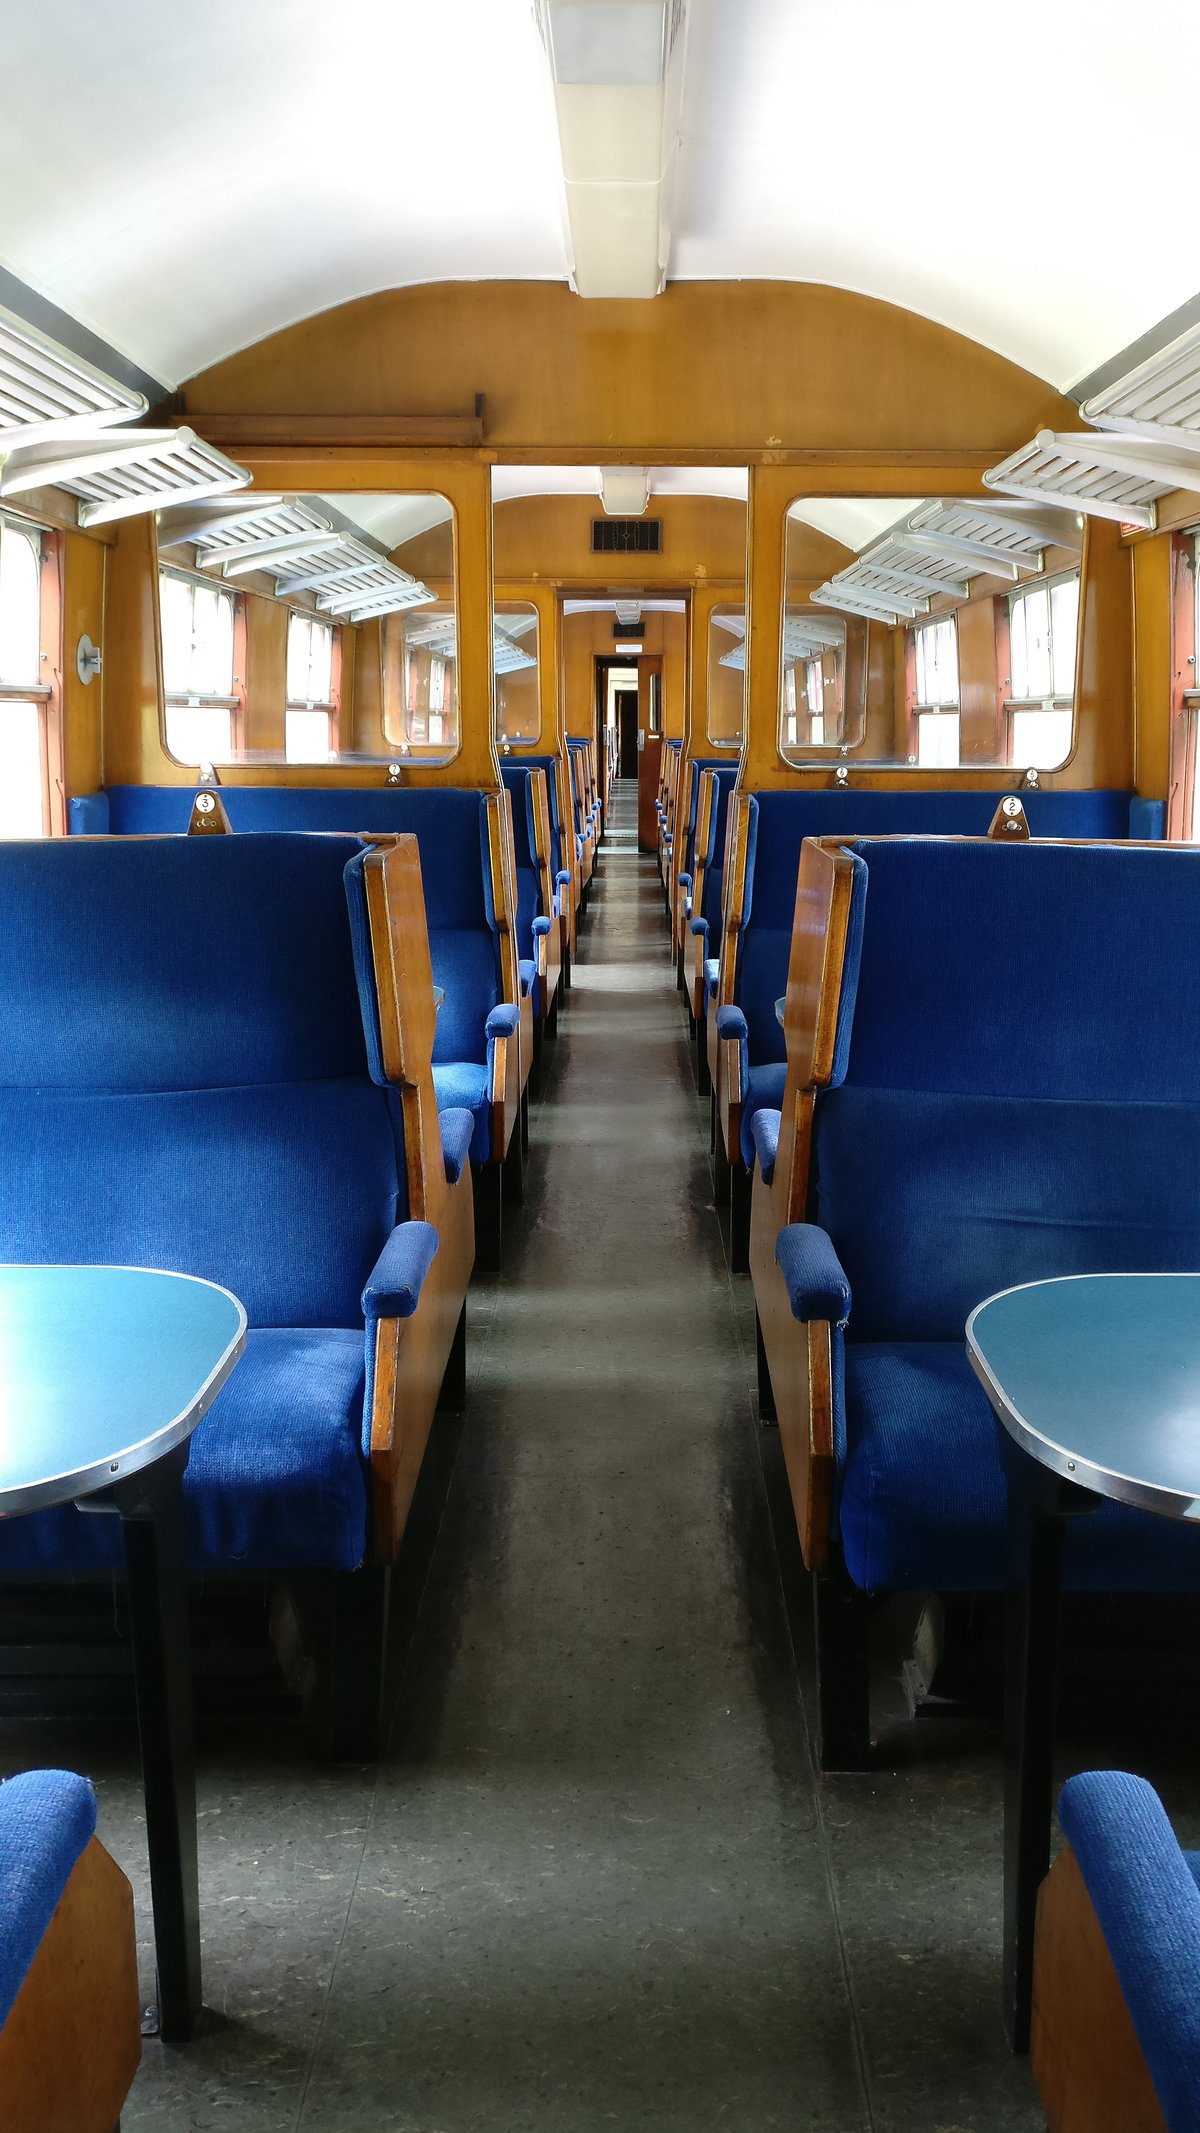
(460, 1085)
(47, 1819)
(763, 1092)
(923, 1499)
(276, 1478)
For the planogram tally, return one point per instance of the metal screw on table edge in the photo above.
(1070, 1466)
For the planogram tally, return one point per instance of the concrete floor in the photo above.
(594, 1882)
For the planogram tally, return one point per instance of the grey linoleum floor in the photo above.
(594, 1882)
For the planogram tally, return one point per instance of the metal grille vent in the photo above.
(627, 536)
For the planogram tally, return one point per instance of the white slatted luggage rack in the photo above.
(1070, 473)
(46, 393)
(1157, 399)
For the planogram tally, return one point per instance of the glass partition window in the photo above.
(725, 707)
(23, 777)
(515, 665)
(959, 618)
(822, 655)
(308, 628)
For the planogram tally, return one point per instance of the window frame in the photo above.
(331, 706)
(196, 700)
(1013, 705)
(46, 692)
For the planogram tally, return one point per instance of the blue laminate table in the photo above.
(1095, 1380)
(104, 1374)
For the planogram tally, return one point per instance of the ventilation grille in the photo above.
(627, 536)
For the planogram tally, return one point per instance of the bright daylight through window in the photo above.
(198, 678)
(22, 714)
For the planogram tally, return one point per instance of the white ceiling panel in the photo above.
(187, 181)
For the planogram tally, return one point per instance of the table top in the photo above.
(102, 1371)
(1098, 1377)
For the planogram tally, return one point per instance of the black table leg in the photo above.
(1031, 1682)
(1039, 1505)
(151, 1509)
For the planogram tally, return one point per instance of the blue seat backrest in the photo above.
(785, 819)
(529, 901)
(710, 903)
(184, 1079)
(451, 832)
(1018, 1076)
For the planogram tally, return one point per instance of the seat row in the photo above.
(274, 1061)
(744, 853)
(991, 1077)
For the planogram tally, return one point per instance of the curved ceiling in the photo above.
(187, 181)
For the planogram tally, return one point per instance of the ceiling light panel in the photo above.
(617, 67)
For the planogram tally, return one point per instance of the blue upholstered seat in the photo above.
(1144, 1892)
(47, 1819)
(531, 917)
(451, 831)
(185, 1082)
(1016, 1095)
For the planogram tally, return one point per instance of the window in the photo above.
(198, 679)
(309, 715)
(936, 648)
(814, 691)
(937, 740)
(1043, 625)
(309, 661)
(24, 778)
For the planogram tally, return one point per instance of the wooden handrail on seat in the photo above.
(412, 1354)
(797, 1357)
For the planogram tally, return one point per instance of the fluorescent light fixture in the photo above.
(624, 491)
(617, 67)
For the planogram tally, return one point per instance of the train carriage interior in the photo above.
(599, 1043)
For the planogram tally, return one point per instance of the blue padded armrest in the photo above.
(685, 879)
(700, 926)
(541, 925)
(395, 1281)
(764, 1128)
(731, 1022)
(47, 1818)
(1148, 1907)
(562, 879)
(812, 1272)
(457, 1127)
(504, 1021)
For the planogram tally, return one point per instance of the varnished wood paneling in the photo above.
(1087, 2061)
(707, 367)
(83, 614)
(1153, 679)
(72, 2042)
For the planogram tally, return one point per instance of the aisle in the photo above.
(594, 1883)
(620, 1913)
